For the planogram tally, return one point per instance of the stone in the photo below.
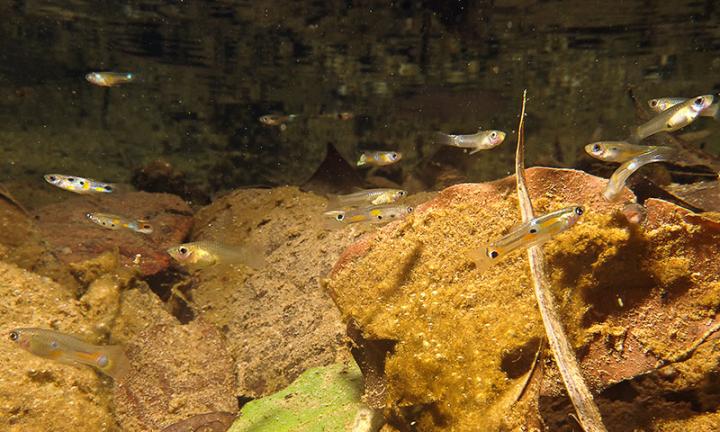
(74, 238)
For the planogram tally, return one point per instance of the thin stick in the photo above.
(682, 356)
(588, 413)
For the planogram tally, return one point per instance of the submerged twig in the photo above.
(588, 413)
(686, 354)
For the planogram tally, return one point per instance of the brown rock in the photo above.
(74, 238)
(633, 297)
(178, 372)
(37, 394)
(278, 321)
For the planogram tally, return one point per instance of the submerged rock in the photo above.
(178, 372)
(322, 399)
(73, 238)
(459, 341)
(37, 394)
(278, 321)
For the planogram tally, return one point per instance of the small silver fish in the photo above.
(366, 197)
(379, 158)
(276, 119)
(53, 345)
(207, 253)
(624, 171)
(616, 151)
(674, 118)
(374, 215)
(482, 140)
(115, 222)
(662, 104)
(79, 185)
(531, 233)
(109, 79)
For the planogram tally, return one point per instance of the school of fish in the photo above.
(367, 207)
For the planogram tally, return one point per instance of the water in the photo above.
(189, 125)
(406, 69)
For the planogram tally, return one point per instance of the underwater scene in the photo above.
(362, 216)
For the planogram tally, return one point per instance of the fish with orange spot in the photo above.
(533, 232)
(64, 348)
(110, 79)
(116, 222)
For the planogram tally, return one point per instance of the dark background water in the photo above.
(208, 69)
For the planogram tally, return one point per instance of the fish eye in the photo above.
(493, 254)
(340, 217)
(653, 103)
(108, 188)
(379, 217)
(14, 336)
(699, 101)
(183, 250)
(409, 209)
(52, 178)
(494, 134)
(533, 230)
(402, 193)
(394, 155)
(579, 211)
(596, 148)
(54, 344)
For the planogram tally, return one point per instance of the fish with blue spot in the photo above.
(64, 348)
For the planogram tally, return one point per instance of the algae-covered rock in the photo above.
(37, 394)
(178, 371)
(461, 340)
(278, 321)
(321, 399)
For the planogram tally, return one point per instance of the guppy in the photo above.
(78, 185)
(53, 345)
(207, 253)
(673, 118)
(375, 215)
(379, 158)
(482, 140)
(366, 197)
(109, 79)
(624, 171)
(115, 222)
(531, 233)
(662, 104)
(276, 119)
(616, 151)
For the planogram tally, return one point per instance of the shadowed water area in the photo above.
(207, 70)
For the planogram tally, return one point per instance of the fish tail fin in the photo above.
(120, 187)
(634, 137)
(362, 161)
(480, 258)
(249, 254)
(118, 366)
(443, 139)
